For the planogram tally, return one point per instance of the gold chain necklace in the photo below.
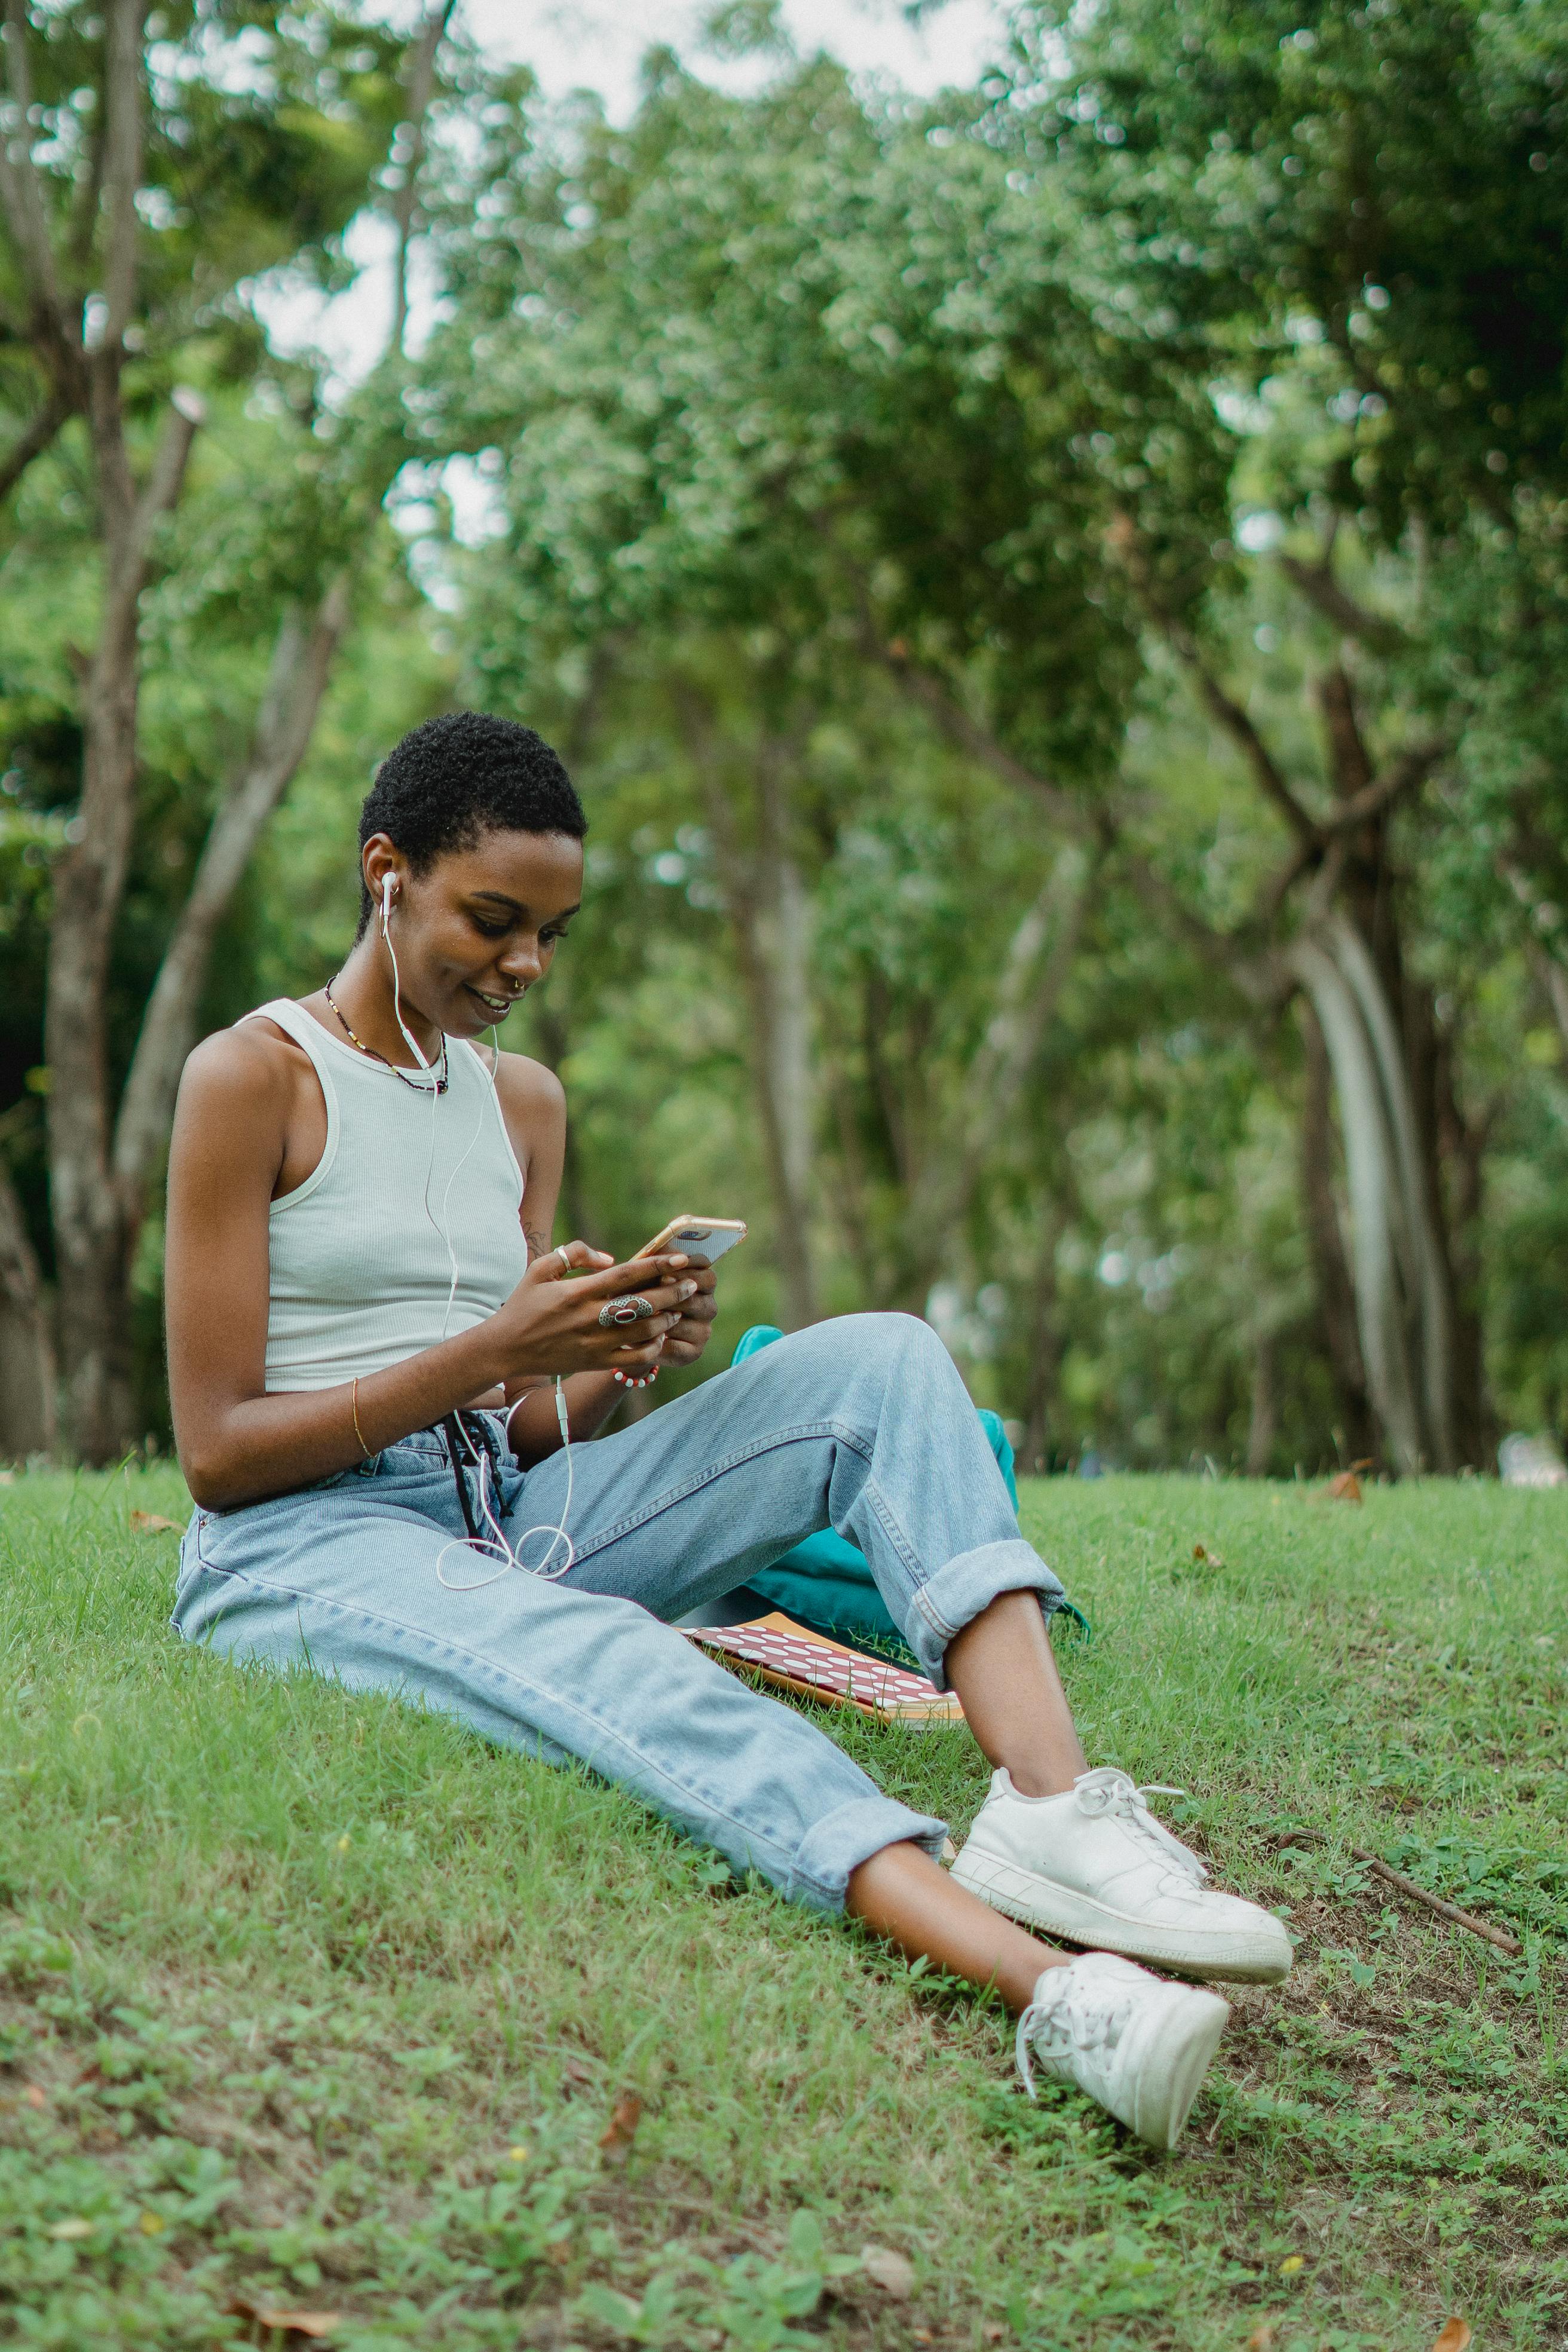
(371, 1055)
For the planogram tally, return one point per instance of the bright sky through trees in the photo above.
(599, 44)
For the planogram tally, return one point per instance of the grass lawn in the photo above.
(311, 2003)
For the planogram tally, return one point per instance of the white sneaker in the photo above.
(1096, 1866)
(1137, 2044)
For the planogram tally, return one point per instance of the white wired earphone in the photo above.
(493, 1541)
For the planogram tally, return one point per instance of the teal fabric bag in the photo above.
(823, 1583)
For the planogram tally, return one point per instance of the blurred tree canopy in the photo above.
(1052, 596)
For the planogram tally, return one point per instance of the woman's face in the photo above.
(480, 925)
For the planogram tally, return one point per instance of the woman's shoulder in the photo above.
(529, 1087)
(255, 1057)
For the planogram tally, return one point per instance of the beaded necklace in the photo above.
(443, 1074)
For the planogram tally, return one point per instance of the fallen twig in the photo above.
(1381, 1869)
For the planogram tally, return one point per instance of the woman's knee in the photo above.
(894, 1340)
(877, 1355)
(895, 1354)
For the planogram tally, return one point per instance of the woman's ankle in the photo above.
(1037, 1780)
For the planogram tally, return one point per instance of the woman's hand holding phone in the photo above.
(549, 1324)
(701, 1239)
(694, 1328)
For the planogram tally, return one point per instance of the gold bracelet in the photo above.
(354, 1408)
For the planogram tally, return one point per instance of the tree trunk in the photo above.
(284, 723)
(1553, 982)
(782, 999)
(770, 919)
(1416, 1231)
(1263, 1420)
(1325, 1240)
(1369, 1157)
(1048, 1345)
(940, 1154)
(1460, 1156)
(1028, 989)
(99, 1169)
(92, 1245)
(1399, 1268)
(851, 1191)
(26, 1310)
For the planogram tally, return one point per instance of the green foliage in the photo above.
(264, 137)
(1389, 179)
(261, 130)
(816, 426)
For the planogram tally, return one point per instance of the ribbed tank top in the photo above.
(359, 1275)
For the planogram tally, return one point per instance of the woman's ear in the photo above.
(382, 872)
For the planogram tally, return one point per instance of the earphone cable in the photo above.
(444, 1228)
(495, 1540)
(439, 1227)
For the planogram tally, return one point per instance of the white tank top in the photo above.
(358, 1273)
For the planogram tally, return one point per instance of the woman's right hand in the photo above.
(549, 1324)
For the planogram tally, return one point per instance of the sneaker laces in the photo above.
(1110, 1791)
(1071, 2016)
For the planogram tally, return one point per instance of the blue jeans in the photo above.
(824, 1582)
(862, 1424)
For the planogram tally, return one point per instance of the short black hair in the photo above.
(455, 779)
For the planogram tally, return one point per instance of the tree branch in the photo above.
(1237, 724)
(1034, 973)
(1368, 795)
(121, 162)
(83, 219)
(160, 496)
(1411, 769)
(31, 443)
(1316, 582)
(281, 736)
(1258, 982)
(1553, 982)
(21, 1284)
(1348, 761)
(1273, 893)
(302, 655)
(969, 735)
(1551, 977)
(421, 86)
(1222, 707)
(1259, 978)
(21, 193)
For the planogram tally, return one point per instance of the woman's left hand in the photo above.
(685, 1341)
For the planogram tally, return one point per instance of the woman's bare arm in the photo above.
(237, 1443)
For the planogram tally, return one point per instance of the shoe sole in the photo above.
(1160, 2119)
(1039, 1901)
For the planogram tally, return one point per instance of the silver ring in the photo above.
(623, 1311)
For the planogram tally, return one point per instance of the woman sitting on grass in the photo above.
(375, 1357)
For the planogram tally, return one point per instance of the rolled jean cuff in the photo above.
(842, 1840)
(949, 1600)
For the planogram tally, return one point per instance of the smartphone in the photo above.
(707, 1237)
